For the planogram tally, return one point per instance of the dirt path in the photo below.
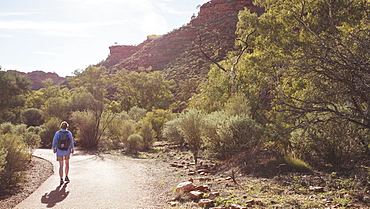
(96, 182)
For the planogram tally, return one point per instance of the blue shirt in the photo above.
(63, 152)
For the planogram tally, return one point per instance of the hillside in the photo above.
(177, 53)
(37, 78)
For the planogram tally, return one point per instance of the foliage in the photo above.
(16, 155)
(144, 90)
(48, 131)
(30, 136)
(118, 130)
(6, 127)
(88, 128)
(148, 134)
(32, 117)
(227, 135)
(338, 143)
(134, 143)
(81, 99)
(56, 107)
(158, 118)
(14, 87)
(136, 113)
(290, 164)
(190, 124)
(171, 131)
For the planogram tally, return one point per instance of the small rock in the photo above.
(195, 195)
(185, 187)
(235, 206)
(317, 189)
(213, 195)
(206, 203)
(250, 202)
(191, 173)
(203, 171)
(173, 204)
(204, 188)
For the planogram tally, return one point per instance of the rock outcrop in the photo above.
(177, 53)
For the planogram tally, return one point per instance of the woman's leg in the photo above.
(61, 162)
(67, 166)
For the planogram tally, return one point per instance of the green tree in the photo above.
(14, 88)
(309, 62)
(144, 90)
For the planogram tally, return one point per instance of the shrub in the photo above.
(6, 127)
(32, 117)
(88, 128)
(32, 140)
(148, 134)
(158, 118)
(290, 165)
(227, 135)
(134, 143)
(118, 130)
(48, 131)
(34, 129)
(172, 132)
(137, 113)
(15, 154)
(20, 129)
(338, 143)
(190, 124)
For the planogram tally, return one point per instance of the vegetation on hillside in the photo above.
(295, 86)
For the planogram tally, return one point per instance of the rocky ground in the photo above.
(179, 183)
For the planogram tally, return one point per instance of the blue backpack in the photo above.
(63, 141)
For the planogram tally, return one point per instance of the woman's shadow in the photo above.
(55, 196)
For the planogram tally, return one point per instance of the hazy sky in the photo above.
(65, 35)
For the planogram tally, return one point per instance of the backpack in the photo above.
(63, 141)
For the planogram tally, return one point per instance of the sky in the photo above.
(62, 36)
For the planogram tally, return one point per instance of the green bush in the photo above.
(48, 131)
(227, 135)
(158, 118)
(20, 129)
(290, 165)
(6, 127)
(137, 113)
(172, 132)
(88, 129)
(14, 156)
(134, 143)
(148, 134)
(32, 140)
(118, 130)
(190, 124)
(32, 117)
(339, 143)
